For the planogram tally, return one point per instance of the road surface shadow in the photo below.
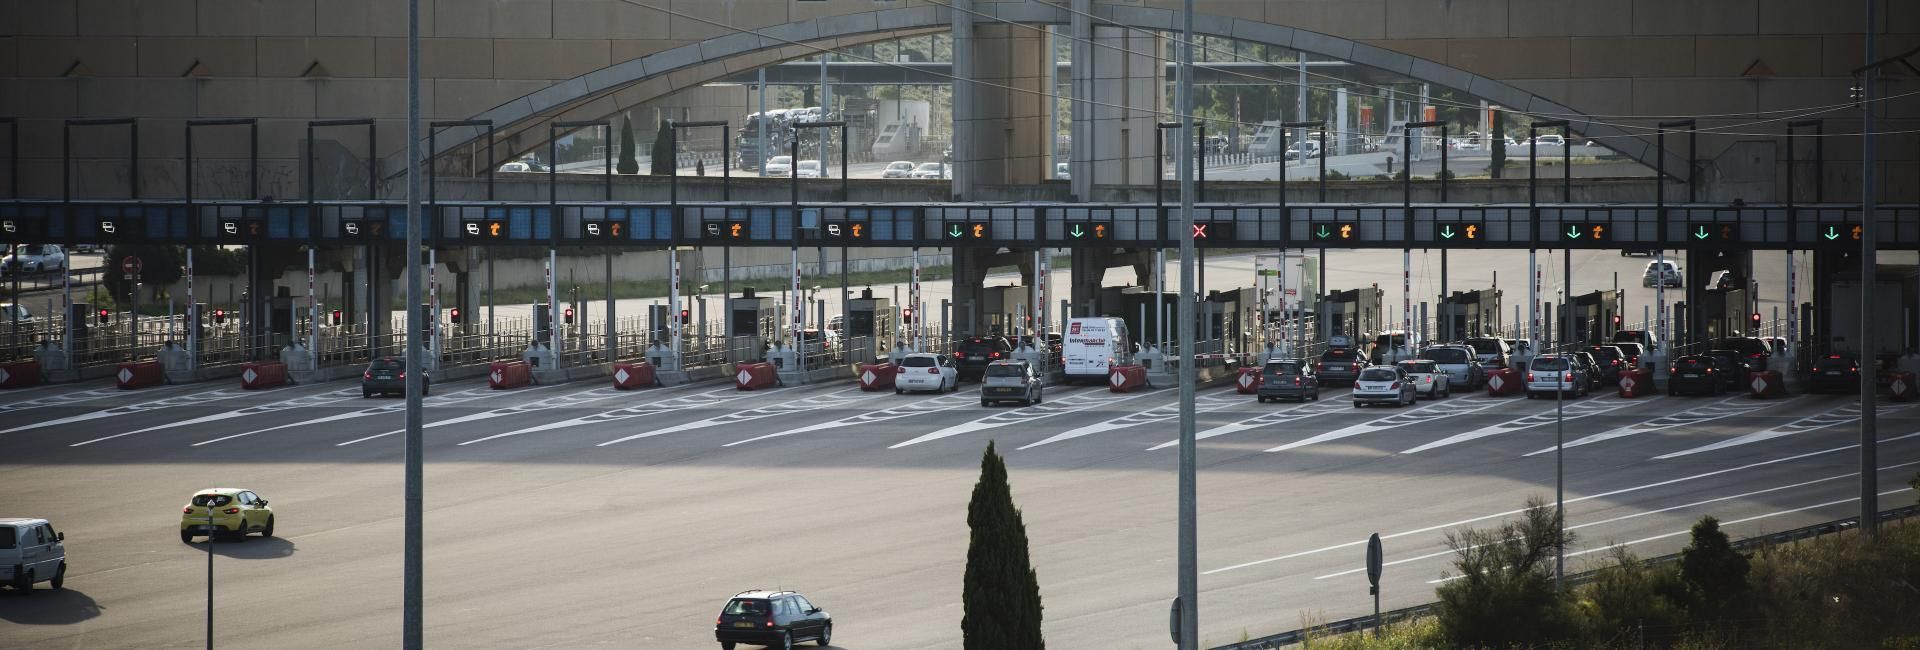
(48, 606)
(255, 548)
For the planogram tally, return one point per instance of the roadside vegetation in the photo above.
(1836, 591)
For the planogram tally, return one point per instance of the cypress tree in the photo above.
(628, 164)
(663, 158)
(1001, 594)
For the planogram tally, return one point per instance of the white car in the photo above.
(1428, 379)
(1383, 385)
(1550, 140)
(809, 169)
(35, 258)
(1060, 171)
(930, 170)
(780, 166)
(1668, 275)
(897, 169)
(924, 371)
(31, 552)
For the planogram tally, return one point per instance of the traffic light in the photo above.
(1616, 321)
(1756, 322)
(568, 316)
(686, 317)
(453, 315)
(106, 315)
(906, 316)
(219, 316)
(336, 317)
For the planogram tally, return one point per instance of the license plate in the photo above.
(746, 624)
(1835, 373)
(1689, 374)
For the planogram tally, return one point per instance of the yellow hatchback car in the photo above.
(235, 513)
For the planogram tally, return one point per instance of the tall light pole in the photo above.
(1869, 429)
(412, 574)
(1189, 601)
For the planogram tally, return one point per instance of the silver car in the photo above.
(1552, 374)
(1010, 381)
(1383, 385)
(1460, 362)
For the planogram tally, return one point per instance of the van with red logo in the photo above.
(1093, 345)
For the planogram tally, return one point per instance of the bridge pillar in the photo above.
(1088, 271)
(1000, 124)
(969, 290)
(1117, 71)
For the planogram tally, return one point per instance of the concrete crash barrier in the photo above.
(1249, 381)
(1766, 384)
(1637, 383)
(509, 374)
(138, 374)
(628, 376)
(20, 374)
(1505, 381)
(1126, 379)
(877, 376)
(754, 376)
(255, 375)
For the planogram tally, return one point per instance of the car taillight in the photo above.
(719, 620)
(1296, 381)
(1356, 367)
(769, 622)
(1395, 386)
(232, 511)
(1816, 368)
(1320, 366)
(933, 371)
(1709, 371)
(366, 374)
(1569, 377)
(1616, 362)
(959, 355)
(993, 355)
(1529, 376)
(900, 370)
(187, 510)
(403, 374)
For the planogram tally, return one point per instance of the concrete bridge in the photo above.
(526, 63)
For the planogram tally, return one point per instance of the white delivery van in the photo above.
(1091, 345)
(30, 552)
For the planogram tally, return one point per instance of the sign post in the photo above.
(131, 266)
(1375, 561)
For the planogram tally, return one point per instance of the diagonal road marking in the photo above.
(1722, 409)
(818, 402)
(932, 405)
(1445, 409)
(557, 401)
(435, 400)
(58, 400)
(1071, 404)
(1282, 416)
(178, 400)
(696, 400)
(1156, 415)
(1574, 411)
(297, 402)
(1835, 417)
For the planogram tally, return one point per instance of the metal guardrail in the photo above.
(1361, 623)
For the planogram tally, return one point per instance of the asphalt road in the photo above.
(575, 515)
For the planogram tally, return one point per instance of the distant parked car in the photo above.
(897, 169)
(1383, 385)
(35, 258)
(931, 170)
(809, 169)
(781, 166)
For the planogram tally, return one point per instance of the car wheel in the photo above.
(786, 641)
(23, 584)
(826, 635)
(365, 394)
(426, 388)
(1038, 396)
(267, 531)
(60, 576)
(726, 645)
(1026, 402)
(1356, 405)
(899, 391)
(985, 403)
(186, 536)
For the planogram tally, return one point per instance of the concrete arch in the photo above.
(671, 70)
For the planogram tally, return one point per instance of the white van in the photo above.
(1093, 344)
(31, 552)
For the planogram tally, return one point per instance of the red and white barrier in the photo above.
(138, 374)
(20, 374)
(628, 376)
(509, 374)
(255, 375)
(754, 376)
(878, 376)
(1126, 379)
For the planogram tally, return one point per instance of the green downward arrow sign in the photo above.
(1573, 232)
(1832, 233)
(953, 231)
(1700, 232)
(1324, 233)
(1076, 232)
(1447, 232)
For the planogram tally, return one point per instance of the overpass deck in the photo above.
(1009, 225)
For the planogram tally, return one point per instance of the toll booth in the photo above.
(756, 322)
(1722, 313)
(1135, 305)
(1354, 313)
(1228, 320)
(1001, 309)
(1595, 316)
(1467, 314)
(868, 327)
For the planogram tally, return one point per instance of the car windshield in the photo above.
(1005, 370)
(1606, 353)
(214, 499)
(6, 537)
(1629, 349)
(1283, 368)
(746, 607)
(1419, 367)
(781, 160)
(900, 165)
(1484, 346)
(981, 346)
(929, 167)
(1693, 363)
(1378, 374)
(388, 364)
(918, 362)
(809, 164)
(1743, 346)
(1445, 355)
(1549, 363)
(1340, 354)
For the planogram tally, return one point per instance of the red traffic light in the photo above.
(686, 316)
(1616, 320)
(453, 315)
(105, 315)
(1756, 318)
(569, 316)
(336, 317)
(219, 316)
(906, 316)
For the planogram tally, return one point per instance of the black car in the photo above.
(1288, 379)
(1633, 352)
(1835, 372)
(1612, 360)
(389, 375)
(1753, 351)
(1339, 366)
(972, 355)
(1591, 365)
(771, 618)
(1734, 367)
(1696, 373)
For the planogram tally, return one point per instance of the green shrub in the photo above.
(1626, 594)
(1505, 593)
(1000, 595)
(1715, 575)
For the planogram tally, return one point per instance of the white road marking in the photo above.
(1070, 404)
(1297, 412)
(557, 401)
(1601, 495)
(933, 405)
(1642, 513)
(815, 403)
(1836, 417)
(178, 400)
(1722, 409)
(1723, 524)
(697, 400)
(297, 402)
(1444, 409)
(1158, 414)
(434, 400)
(1574, 411)
(62, 399)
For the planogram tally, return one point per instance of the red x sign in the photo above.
(1200, 230)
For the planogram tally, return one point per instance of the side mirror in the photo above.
(60, 536)
(815, 610)
(263, 502)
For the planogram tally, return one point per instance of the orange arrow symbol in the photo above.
(856, 231)
(1472, 231)
(979, 231)
(493, 229)
(735, 230)
(1099, 231)
(1599, 231)
(1346, 232)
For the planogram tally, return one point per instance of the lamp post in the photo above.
(1406, 248)
(673, 198)
(1559, 396)
(793, 180)
(1660, 210)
